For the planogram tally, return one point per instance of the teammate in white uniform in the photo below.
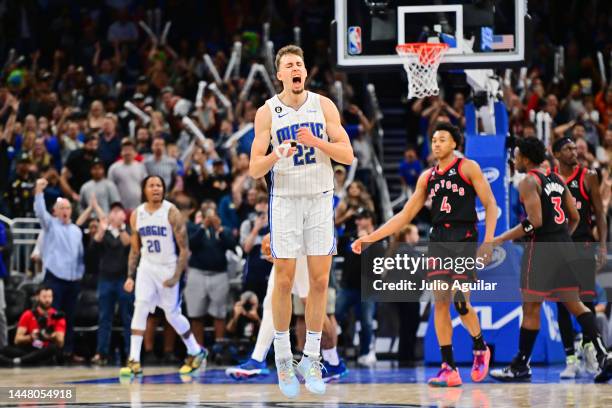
(158, 228)
(305, 132)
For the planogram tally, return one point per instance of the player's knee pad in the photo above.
(460, 304)
(177, 320)
(141, 312)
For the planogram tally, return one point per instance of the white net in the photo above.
(421, 61)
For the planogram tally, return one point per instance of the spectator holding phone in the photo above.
(245, 319)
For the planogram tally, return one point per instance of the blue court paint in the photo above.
(541, 375)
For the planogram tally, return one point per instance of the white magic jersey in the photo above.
(156, 236)
(309, 170)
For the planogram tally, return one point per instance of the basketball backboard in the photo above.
(480, 33)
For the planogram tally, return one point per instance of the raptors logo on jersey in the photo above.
(452, 195)
(309, 170)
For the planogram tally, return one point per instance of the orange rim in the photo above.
(428, 53)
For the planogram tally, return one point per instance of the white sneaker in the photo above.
(572, 368)
(367, 360)
(591, 365)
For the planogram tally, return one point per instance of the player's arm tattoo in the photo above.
(179, 228)
(134, 256)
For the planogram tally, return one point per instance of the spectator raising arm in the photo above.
(9, 127)
(39, 203)
(86, 214)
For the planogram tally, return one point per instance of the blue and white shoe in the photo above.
(287, 380)
(249, 369)
(310, 369)
(332, 372)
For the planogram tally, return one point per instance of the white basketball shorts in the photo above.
(302, 225)
(150, 289)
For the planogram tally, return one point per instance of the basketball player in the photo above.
(157, 225)
(452, 186)
(549, 206)
(256, 365)
(584, 187)
(305, 132)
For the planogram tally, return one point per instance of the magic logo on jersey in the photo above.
(290, 132)
(153, 230)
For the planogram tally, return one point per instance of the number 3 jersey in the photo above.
(156, 236)
(309, 171)
(551, 199)
(453, 198)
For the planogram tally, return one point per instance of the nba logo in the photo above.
(354, 40)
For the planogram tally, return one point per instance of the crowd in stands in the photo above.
(63, 119)
(64, 130)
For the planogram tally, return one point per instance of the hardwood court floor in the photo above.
(380, 387)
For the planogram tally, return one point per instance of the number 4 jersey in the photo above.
(453, 198)
(309, 170)
(156, 236)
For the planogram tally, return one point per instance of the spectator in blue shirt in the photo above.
(62, 256)
(410, 168)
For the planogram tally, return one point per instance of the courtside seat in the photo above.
(86, 316)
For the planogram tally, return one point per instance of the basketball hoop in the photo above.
(421, 71)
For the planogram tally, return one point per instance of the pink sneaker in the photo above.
(447, 377)
(480, 368)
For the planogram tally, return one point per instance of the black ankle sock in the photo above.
(479, 343)
(566, 329)
(447, 356)
(590, 333)
(527, 339)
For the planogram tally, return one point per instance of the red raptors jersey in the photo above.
(453, 198)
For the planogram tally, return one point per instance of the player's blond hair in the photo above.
(288, 49)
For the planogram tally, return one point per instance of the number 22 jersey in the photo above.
(309, 171)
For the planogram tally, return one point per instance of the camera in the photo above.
(43, 319)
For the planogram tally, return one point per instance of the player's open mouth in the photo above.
(296, 80)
